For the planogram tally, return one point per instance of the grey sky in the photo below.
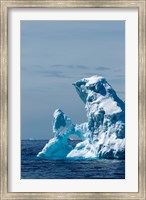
(54, 54)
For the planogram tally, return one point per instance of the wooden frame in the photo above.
(5, 5)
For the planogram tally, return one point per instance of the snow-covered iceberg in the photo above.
(102, 136)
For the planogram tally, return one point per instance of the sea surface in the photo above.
(38, 168)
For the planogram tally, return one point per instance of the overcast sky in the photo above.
(54, 54)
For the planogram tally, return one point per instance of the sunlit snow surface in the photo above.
(103, 136)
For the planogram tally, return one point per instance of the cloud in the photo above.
(56, 70)
(63, 71)
(69, 66)
(56, 65)
(82, 67)
(100, 68)
(66, 71)
(55, 74)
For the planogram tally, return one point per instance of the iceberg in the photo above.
(102, 136)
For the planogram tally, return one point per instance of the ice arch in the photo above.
(58, 147)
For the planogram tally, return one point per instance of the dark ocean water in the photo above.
(38, 168)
